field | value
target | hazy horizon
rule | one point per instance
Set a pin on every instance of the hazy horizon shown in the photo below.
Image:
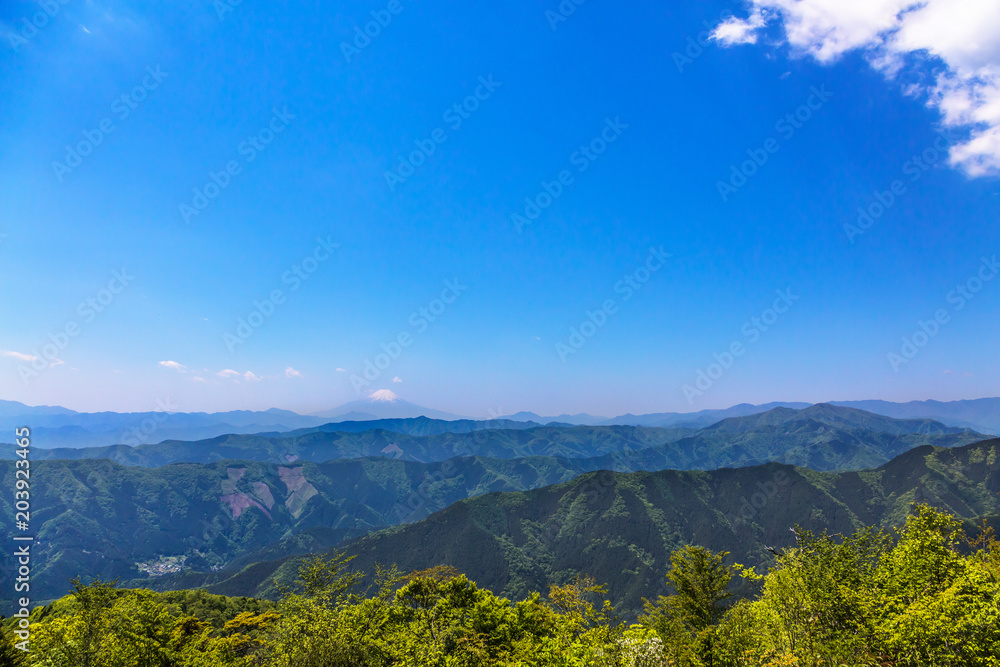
(169, 405)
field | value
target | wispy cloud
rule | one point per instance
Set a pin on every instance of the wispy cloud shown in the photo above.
(18, 355)
(396, 379)
(180, 368)
(250, 376)
(735, 30)
(292, 373)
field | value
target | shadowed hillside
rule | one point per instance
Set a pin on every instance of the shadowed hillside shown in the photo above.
(621, 527)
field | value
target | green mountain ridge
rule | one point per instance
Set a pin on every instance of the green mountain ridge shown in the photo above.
(798, 441)
(621, 527)
(97, 517)
(836, 416)
(411, 426)
(429, 444)
(102, 517)
(317, 446)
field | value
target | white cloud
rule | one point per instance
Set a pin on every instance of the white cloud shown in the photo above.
(735, 30)
(396, 379)
(341, 370)
(950, 47)
(236, 376)
(181, 368)
(292, 373)
(18, 355)
(198, 378)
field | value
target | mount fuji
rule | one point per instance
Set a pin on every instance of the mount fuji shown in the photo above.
(383, 404)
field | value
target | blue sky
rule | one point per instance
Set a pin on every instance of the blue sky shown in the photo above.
(354, 259)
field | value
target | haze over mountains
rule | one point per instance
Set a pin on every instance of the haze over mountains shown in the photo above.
(55, 426)
(241, 492)
(539, 522)
(60, 427)
(982, 414)
(235, 500)
(822, 436)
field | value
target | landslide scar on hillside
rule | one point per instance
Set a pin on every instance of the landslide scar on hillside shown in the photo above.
(239, 502)
(299, 490)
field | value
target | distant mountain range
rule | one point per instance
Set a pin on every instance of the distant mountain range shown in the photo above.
(55, 426)
(981, 414)
(580, 419)
(236, 500)
(701, 418)
(318, 446)
(621, 527)
(409, 426)
(822, 436)
(59, 427)
(698, 419)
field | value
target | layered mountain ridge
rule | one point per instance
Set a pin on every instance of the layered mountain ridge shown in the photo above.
(184, 508)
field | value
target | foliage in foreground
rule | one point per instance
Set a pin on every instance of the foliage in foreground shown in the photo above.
(925, 596)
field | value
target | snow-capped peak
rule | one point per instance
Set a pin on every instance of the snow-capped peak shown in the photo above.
(383, 396)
